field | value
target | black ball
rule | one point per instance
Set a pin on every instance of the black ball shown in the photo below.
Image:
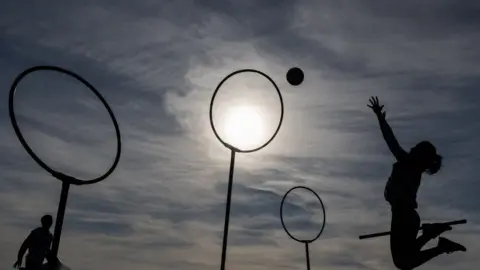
(295, 76)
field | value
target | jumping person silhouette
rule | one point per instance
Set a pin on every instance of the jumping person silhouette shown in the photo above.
(38, 246)
(401, 193)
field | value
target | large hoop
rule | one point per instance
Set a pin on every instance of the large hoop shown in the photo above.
(59, 175)
(231, 147)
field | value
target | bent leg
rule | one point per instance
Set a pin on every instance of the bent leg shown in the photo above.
(431, 231)
(421, 257)
(424, 239)
(406, 247)
(403, 236)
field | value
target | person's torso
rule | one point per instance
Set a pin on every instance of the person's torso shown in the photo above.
(41, 240)
(403, 184)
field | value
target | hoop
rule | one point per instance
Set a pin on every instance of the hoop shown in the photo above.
(211, 111)
(283, 223)
(56, 174)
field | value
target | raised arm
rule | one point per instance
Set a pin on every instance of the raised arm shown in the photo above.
(387, 132)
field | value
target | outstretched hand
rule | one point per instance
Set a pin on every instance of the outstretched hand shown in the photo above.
(376, 107)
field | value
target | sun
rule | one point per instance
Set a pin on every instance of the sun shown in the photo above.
(243, 127)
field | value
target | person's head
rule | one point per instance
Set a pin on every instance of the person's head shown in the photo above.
(47, 221)
(425, 155)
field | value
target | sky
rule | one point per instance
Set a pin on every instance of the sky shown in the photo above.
(157, 64)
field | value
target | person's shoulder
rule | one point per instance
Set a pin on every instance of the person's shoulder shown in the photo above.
(36, 230)
(404, 159)
(402, 156)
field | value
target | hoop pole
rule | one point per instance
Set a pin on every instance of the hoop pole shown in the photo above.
(59, 220)
(227, 210)
(455, 222)
(307, 252)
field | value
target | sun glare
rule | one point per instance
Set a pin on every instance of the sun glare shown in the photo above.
(243, 128)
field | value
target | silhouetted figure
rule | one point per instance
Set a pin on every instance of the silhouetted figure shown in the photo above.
(401, 193)
(38, 246)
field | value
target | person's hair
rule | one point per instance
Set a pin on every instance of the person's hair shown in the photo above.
(47, 221)
(426, 149)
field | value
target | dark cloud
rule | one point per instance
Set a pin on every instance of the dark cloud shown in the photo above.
(98, 227)
(335, 167)
(117, 89)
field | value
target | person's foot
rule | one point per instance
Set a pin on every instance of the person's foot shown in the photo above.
(435, 229)
(449, 246)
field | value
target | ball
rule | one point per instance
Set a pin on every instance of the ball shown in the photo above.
(295, 76)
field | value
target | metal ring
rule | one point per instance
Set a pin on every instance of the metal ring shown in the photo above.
(58, 175)
(283, 223)
(211, 111)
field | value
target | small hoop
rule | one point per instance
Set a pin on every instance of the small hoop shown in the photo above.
(283, 223)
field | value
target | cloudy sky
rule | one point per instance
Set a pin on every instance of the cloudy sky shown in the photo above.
(158, 62)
